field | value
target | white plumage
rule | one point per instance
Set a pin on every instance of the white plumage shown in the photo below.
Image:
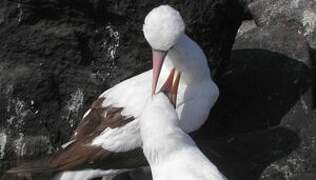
(162, 27)
(170, 152)
(193, 104)
(197, 91)
(86, 174)
(197, 94)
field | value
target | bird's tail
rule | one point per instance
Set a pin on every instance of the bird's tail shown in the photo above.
(37, 166)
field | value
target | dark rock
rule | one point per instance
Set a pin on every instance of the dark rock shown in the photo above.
(299, 16)
(300, 13)
(57, 56)
(266, 78)
(245, 156)
(270, 38)
(268, 85)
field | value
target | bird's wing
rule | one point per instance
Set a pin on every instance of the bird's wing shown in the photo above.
(80, 151)
(112, 114)
(128, 96)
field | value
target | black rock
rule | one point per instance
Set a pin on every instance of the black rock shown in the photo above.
(57, 56)
(288, 27)
(268, 85)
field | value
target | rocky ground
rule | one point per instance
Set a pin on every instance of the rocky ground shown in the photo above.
(57, 56)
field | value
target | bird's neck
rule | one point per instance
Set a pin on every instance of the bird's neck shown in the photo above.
(189, 58)
(161, 139)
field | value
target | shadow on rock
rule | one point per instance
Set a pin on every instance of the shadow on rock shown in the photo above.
(244, 157)
(257, 92)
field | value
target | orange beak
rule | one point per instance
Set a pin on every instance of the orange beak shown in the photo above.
(158, 59)
(170, 87)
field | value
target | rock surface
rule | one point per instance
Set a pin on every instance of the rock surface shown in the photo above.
(57, 56)
(288, 28)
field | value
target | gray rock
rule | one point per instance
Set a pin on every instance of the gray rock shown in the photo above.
(281, 38)
(300, 13)
(298, 20)
(274, 65)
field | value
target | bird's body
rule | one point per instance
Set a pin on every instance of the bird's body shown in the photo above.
(170, 152)
(111, 125)
(194, 101)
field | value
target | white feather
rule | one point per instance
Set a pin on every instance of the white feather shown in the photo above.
(170, 152)
(162, 28)
(197, 94)
(86, 174)
(197, 91)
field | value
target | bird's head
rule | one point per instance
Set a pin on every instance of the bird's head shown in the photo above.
(162, 28)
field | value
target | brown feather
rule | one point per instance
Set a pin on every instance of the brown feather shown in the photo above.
(80, 152)
(76, 155)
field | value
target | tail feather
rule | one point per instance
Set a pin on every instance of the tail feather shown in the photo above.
(36, 166)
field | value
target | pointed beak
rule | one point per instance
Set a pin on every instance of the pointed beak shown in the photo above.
(158, 59)
(170, 87)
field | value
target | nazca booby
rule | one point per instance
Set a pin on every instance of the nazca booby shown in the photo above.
(110, 128)
(170, 152)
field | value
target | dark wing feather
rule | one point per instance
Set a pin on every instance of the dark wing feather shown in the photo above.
(91, 121)
(76, 155)
(94, 123)
(79, 152)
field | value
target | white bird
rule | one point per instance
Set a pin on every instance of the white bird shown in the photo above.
(111, 125)
(170, 152)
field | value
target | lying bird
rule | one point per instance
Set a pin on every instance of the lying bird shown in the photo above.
(170, 152)
(106, 141)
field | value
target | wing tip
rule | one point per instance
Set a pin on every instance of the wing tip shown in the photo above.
(37, 166)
